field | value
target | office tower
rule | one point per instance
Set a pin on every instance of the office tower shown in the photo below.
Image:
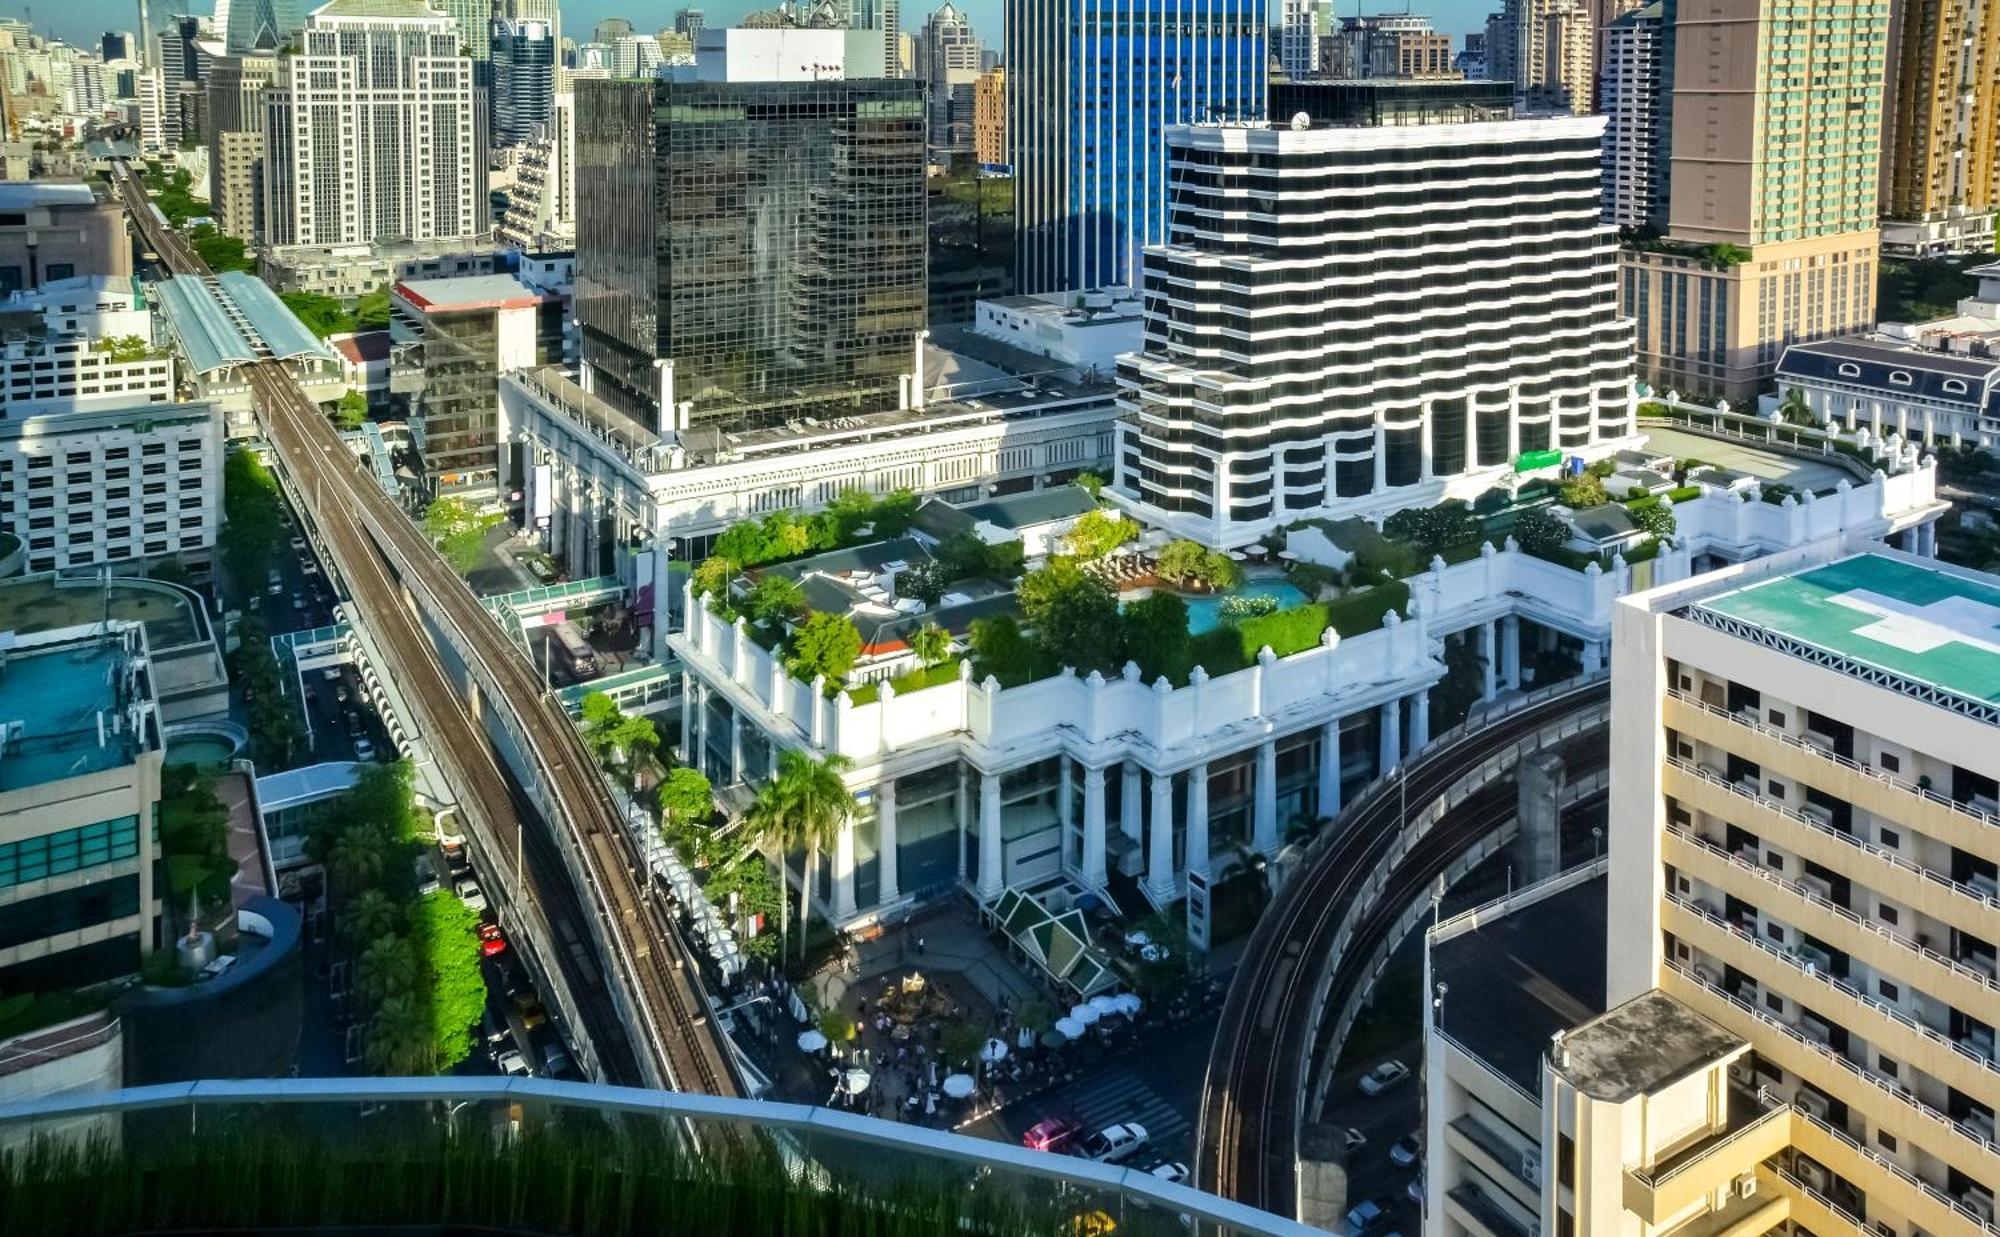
(1546, 49)
(236, 142)
(524, 68)
(1940, 126)
(1603, 13)
(261, 26)
(1320, 385)
(1805, 797)
(635, 55)
(1631, 92)
(1091, 89)
(119, 45)
(610, 30)
(153, 136)
(1387, 46)
(885, 16)
(989, 117)
(689, 23)
(474, 21)
(1298, 37)
(87, 95)
(749, 252)
(541, 203)
(374, 131)
(1773, 145)
(948, 63)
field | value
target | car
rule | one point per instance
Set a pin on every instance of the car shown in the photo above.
(1052, 1134)
(1364, 1216)
(309, 567)
(490, 940)
(529, 1007)
(274, 583)
(1113, 1143)
(298, 542)
(298, 601)
(1403, 1153)
(1383, 1076)
(470, 893)
(331, 674)
(1415, 1190)
(1173, 1172)
(353, 722)
(555, 1060)
(363, 749)
(511, 1061)
(340, 692)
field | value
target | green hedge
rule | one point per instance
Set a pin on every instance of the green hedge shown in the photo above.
(1641, 504)
(1649, 550)
(911, 681)
(1685, 493)
(1357, 613)
(1299, 628)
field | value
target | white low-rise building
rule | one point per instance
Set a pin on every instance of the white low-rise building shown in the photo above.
(80, 343)
(1920, 394)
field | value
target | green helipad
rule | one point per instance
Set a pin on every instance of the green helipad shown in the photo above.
(1922, 623)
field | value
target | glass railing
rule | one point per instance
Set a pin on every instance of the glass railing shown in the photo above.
(546, 1157)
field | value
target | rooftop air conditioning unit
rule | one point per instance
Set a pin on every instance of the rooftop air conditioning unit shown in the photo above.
(1821, 741)
(1813, 1104)
(1817, 811)
(1746, 1186)
(1818, 886)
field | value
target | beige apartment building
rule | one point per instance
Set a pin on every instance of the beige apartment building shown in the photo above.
(1546, 48)
(1776, 118)
(236, 141)
(989, 116)
(1939, 127)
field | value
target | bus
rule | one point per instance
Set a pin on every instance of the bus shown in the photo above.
(577, 655)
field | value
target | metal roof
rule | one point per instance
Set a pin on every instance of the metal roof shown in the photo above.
(1875, 361)
(308, 784)
(234, 319)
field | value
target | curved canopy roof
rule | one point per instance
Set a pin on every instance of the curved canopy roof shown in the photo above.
(234, 319)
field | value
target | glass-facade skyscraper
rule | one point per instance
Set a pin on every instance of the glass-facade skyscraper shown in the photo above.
(766, 237)
(1092, 86)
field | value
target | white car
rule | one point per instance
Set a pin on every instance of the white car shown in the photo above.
(1173, 1172)
(364, 750)
(470, 893)
(1113, 1143)
(511, 1061)
(1383, 1076)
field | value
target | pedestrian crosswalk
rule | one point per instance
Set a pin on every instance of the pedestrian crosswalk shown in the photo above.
(1107, 1098)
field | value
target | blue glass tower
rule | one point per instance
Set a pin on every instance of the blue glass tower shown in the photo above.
(1092, 86)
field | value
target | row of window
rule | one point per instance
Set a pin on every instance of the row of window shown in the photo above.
(68, 850)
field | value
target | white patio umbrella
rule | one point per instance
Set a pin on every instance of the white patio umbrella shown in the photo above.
(1024, 1039)
(958, 1086)
(1070, 1027)
(811, 1041)
(855, 1081)
(1103, 1004)
(1128, 1003)
(1084, 1014)
(995, 1050)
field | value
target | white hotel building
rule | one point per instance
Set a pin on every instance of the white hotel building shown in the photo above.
(1378, 312)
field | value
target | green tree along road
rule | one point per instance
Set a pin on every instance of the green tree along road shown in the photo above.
(276, 733)
(253, 523)
(458, 530)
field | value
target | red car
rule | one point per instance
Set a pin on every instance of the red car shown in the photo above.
(490, 940)
(1054, 1134)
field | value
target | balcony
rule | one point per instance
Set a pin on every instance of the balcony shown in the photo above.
(1755, 1130)
(1879, 1178)
(1514, 1168)
(1480, 1215)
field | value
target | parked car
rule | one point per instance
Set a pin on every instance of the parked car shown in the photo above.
(1404, 1151)
(1364, 1216)
(1113, 1143)
(555, 1060)
(274, 583)
(1052, 1134)
(511, 1061)
(298, 601)
(363, 749)
(490, 940)
(1173, 1172)
(1416, 1189)
(309, 567)
(470, 893)
(1383, 1076)
(331, 674)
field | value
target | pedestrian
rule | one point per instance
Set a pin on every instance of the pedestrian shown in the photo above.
(920, 946)
(864, 1009)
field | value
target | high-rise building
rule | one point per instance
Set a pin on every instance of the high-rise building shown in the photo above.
(948, 64)
(260, 26)
(635, 55)
(1092, 86)
(749, 251)
(610, 30)
(524, 75)
(474, 22)
(1386, 46)
(1941, 128)
(1299, 30)
(540, 212)
(1805, 797)
(989, 117)
(1544, 47)
(153, 136)
(1773, 143)
(236, 142)
(1322, 386)
(119, 45)
(689, 23)
(374, 132)
(1631, 92)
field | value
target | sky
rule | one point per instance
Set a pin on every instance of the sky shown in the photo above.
(81, 21)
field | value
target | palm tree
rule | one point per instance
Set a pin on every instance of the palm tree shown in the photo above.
(771, 825)
(818, 805)
(356, 857)
(370, 914)
(399, 1037)
(931, 644)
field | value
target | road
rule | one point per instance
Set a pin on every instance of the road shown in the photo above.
(650, 1022)
(1246, 1143)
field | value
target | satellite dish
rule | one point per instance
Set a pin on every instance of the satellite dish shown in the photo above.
(1301, 120)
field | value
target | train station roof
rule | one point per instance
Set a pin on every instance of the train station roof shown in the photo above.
(234, 319)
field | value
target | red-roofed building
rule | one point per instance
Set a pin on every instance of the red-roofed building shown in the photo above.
(364, 363)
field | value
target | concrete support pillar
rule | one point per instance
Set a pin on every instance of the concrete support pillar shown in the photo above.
(991, 857)
(1264, 810)
(1131, 812)
(885, 840)
(1392, 734)
(1593, 656)
(1510, 652)
(1424, 468)
(1197, 819)
(735, 746)
(1381, 455)
(1065, 815)
(1329, 768)
(1539, 783)
(962, 806)
(1420, 721)
(843, 872)
(1472, 459)
(472, 696)
(1489, 667)
(1160, 841)
(687, 720)
(1093, 827)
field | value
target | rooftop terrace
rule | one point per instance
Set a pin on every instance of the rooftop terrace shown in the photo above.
(1644, 1045)
(1920, 627)
(63, 699)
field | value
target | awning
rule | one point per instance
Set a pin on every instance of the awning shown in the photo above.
(1058, 943)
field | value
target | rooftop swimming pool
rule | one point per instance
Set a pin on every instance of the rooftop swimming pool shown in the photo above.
(1205, 613)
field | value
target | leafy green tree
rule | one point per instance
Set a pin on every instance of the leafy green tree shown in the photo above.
(774, 828)
(1097, 533)
(826, 644)
(252, 521)
(359, 858)
(686, 798)
(221, 253)
(1794, 407)
(931, 644)
(1156, 636)
(712, 576)
(600, 715)
(458, 530)
(1655, 521)
(1540, 533)
(1091, 484)
(925, 582)
(819, 804)
(1433, 529)
(399, 1039)
(321, 314)
(999, 649)
(755, 886)
(1074, 614)
(1190, 562)
(963, 556)
(371, 312)
(351, 413)
(368, 916)
(446, 932)
(387, 967)
(775, 599)
(1585, 491)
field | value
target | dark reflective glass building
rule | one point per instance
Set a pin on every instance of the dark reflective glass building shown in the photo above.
(765, 237)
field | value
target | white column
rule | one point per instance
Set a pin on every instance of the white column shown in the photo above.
(962, 808)
(1471, 431)
(1131, 811)
(1392, 736)
(1264, 811)
(1381, 454)
(1420, 720)
(1160, 842)
(1065, 815)
(1513, 423)
(1329, 768)
(991, 861)
(1510, 651)
(1489, 670)
(1424, 469)
(885, 841)
(735, 745)
(1593, 656)
(1093, 826)
(687, 720)
(843, 872)
(1197, 819)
